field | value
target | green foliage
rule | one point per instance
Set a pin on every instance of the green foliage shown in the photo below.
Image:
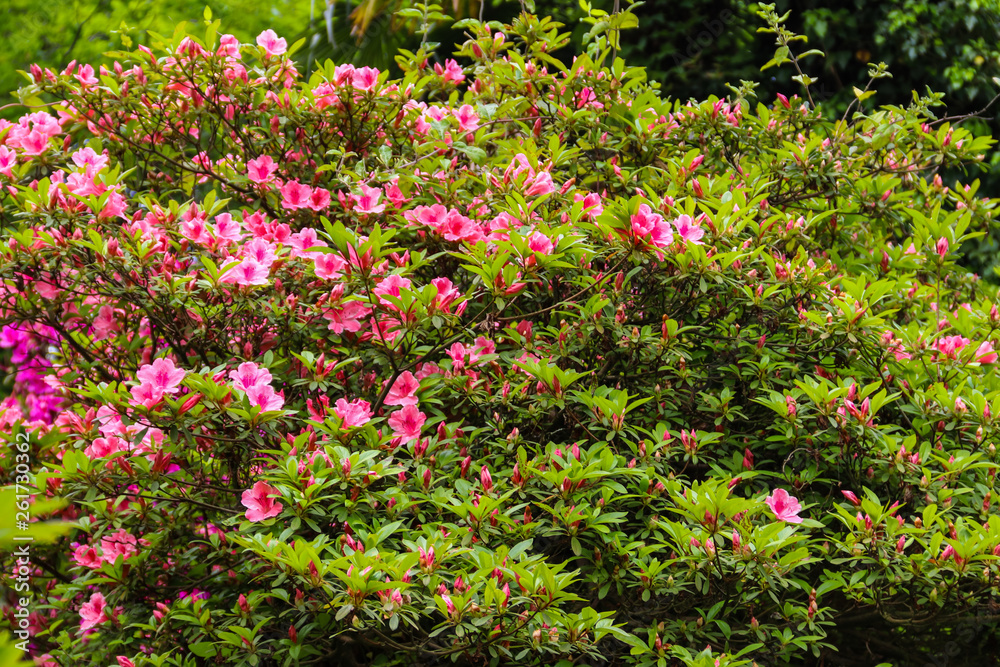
(513, 361)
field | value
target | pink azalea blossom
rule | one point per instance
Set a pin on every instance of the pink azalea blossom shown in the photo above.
(367, 201)
(540, 184)
(406, 423)
(92, 612)
(689, 230)
(365, 78)
(328, 265)
(271, 43)
(247, 272)
(121, 543)
(162, 374)
(262, 169)
(106, 323)
(540, 243)
(295, 195)
(353, 413)
(87, 556)
(985, 353)
(391, 286)
(260, 503)
(404, 390)
(347, 317)
(785, 507)
(249, 375)
(264, 397)
(468, 119)
(451, 71)
(228, 230)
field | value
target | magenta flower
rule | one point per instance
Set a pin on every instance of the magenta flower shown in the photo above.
(468, 119)
(540, 184)
(367, 201)
(249, 375)
(264, 396)
(162, 374)
(247, 272)
(785, 507)
(365, 78)
(404, 390)
(688, 230)
(121, 543)
(259, 503)
(540, 243)
(262, 169)
(271, 43)
(406, 423)
(353, 413)
(985, 354)
(92, 612)
(295, 195)
(328, 265)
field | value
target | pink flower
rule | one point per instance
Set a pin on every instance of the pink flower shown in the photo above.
(271, 43)
(105, 323)
(247, 272)
(406, 423)
(162, 374)
(644, 221)
(688, 230)
(486, 479)
(391, 286)
(404, 390)
(985, 353)
(540, 243)
(121, 543)
(367, 201)
(259, 503)
(365, 78)
(592, 207)
(295, 195)
(227, 229)
(85, 75)
(468, 119)
(451, 71)
(92, 612)
(347, 317)
(264, 396)
(249, 375)
(124, 662)
(328, 265)
(146, 395)
(319, 199)
(259, 250)
(941, 246)
(541, 184)
(262, 169)
(785, 507)
(353, 413)
(87, 556)
(853, 499)
(8, 160)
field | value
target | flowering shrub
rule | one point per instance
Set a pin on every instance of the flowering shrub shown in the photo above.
(498, 362)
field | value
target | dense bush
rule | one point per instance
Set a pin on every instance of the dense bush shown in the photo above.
(492, 364)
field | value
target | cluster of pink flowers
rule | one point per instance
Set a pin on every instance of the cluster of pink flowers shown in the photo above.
(156, 380)
(255, 382)
(950, 346)
(120, 543)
